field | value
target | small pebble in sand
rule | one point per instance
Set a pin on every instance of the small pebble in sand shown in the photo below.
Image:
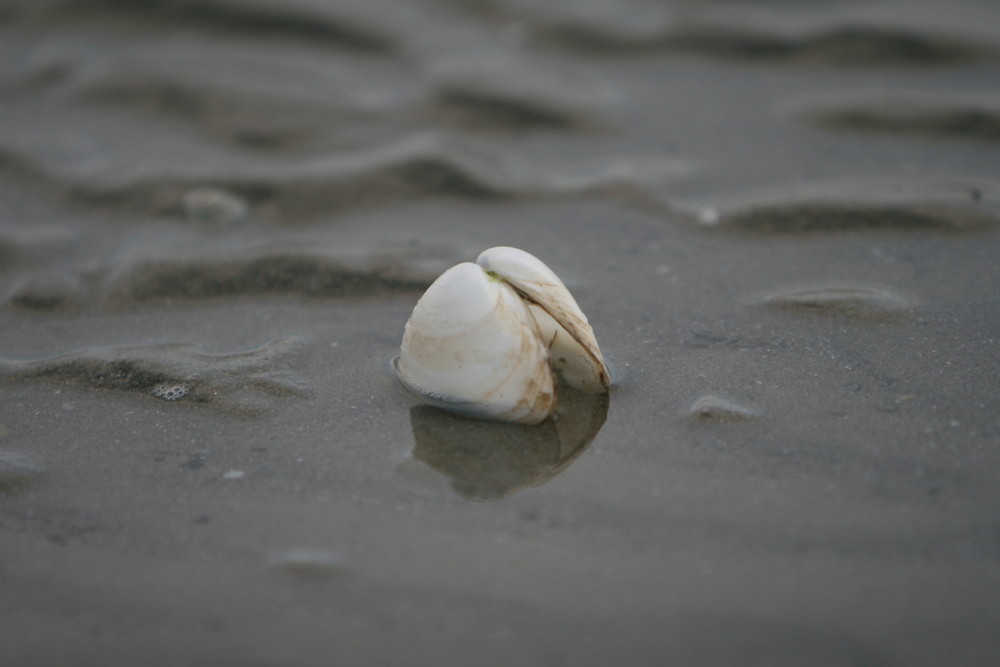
(718, 408)
(708, 216)
(217, 208)
(309, 563)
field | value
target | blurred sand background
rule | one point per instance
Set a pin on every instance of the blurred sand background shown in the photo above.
(780, 217)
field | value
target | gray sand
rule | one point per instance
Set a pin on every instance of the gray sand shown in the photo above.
(782, 219)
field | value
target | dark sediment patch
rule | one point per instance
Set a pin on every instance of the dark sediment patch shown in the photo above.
(243, 19)
(840, 39)
(708, 339)
(831, 217)
(235, 381)
(941, 121)
(849, 46)
(47, 292)
(874, 204)
(165, 268)
(846, 300)
(485, 108)
(277, 273)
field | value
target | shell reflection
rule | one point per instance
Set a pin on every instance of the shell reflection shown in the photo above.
(489, 460)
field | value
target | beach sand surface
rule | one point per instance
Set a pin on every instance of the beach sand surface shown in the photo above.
(780, 218)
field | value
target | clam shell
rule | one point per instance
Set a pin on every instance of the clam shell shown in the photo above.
(574, 348)
(472, 347)
(485, 339)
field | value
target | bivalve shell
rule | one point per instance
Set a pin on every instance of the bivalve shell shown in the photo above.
(485, 340)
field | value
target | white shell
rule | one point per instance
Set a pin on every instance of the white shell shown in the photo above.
(570, 337)
(484, 338)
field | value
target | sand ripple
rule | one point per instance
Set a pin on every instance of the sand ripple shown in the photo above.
(859, 38)
(872, 204)
(170, 267)
(336, 26)
(148, 272)
(968, 118)
(851, 300)
(244, 381)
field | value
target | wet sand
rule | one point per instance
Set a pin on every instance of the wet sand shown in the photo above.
(782, 219)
